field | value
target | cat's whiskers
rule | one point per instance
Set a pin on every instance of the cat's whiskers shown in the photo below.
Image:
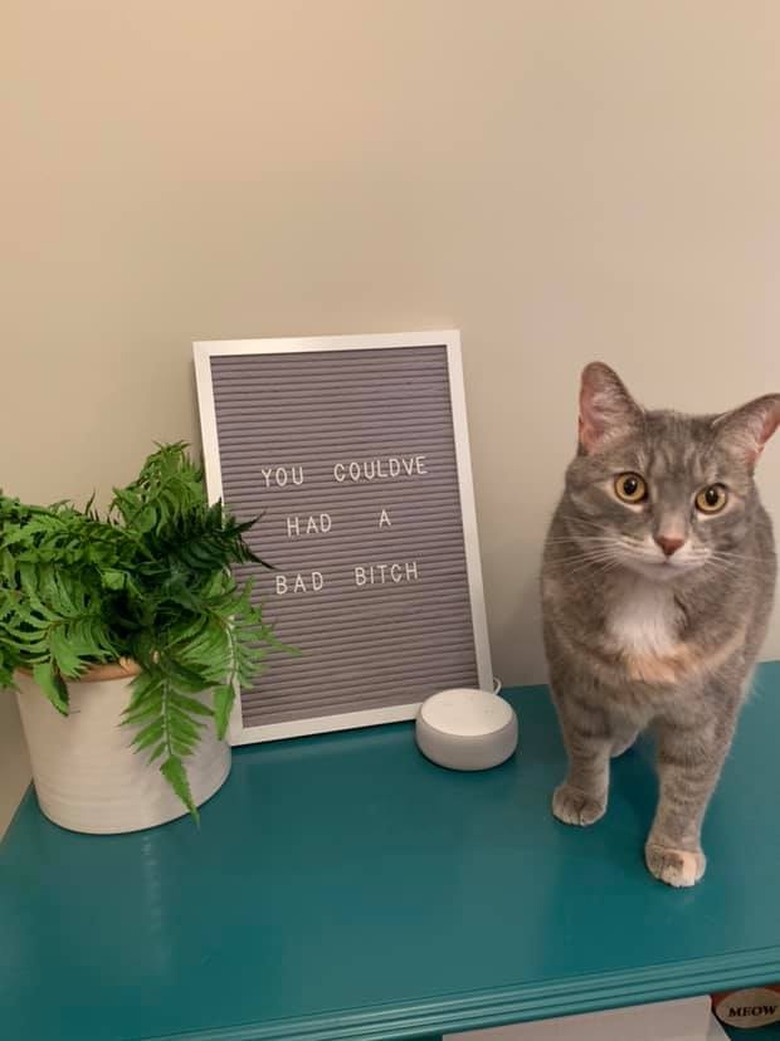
(578, 548)
(727, 565)
(730, 555)
(591, 540)
(635, 549)
(607, 566)
(596, 563)
(585, 558)
(726, 574)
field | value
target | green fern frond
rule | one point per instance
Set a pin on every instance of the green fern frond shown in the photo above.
(151, 581)
(174, 773)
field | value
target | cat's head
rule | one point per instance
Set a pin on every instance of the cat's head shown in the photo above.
(662, 493)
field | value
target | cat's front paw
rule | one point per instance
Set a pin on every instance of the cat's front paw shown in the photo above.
(573, 806)
(676, 867)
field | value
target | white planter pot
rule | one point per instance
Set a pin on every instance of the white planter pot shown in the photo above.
(87, 776)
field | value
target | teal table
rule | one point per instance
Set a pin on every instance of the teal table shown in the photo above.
(342, 887)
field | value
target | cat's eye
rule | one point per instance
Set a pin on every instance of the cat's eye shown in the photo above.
(712, 499)
(631, 488)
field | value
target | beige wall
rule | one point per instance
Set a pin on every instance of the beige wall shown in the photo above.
(561, 180)
(14, 766)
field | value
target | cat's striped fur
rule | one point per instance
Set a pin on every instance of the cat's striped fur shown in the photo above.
(655, 609)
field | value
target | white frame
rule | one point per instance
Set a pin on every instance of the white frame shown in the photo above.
(204, 351)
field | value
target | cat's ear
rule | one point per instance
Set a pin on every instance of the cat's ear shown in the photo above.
(607, 410)
(747, 429)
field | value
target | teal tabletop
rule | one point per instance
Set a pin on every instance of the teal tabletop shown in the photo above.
(341, 887)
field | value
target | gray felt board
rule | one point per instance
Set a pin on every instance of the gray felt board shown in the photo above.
(349, 457)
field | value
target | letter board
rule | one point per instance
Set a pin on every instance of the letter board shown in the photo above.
(354, 452)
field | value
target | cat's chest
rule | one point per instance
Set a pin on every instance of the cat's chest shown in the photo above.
(643, 619)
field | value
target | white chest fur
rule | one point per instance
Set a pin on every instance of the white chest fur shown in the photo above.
(643, 620)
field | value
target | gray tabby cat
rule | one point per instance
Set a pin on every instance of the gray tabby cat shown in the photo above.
(657, 584)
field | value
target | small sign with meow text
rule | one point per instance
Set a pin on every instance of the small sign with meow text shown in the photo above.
(354, 453)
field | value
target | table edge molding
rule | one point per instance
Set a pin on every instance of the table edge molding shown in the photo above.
(514, 1004)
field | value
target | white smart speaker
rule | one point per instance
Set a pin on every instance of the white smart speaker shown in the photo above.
(466, 729)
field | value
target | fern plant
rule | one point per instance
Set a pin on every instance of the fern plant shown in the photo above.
(149, 581)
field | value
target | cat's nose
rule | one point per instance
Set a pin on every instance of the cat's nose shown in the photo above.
(669, 543)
